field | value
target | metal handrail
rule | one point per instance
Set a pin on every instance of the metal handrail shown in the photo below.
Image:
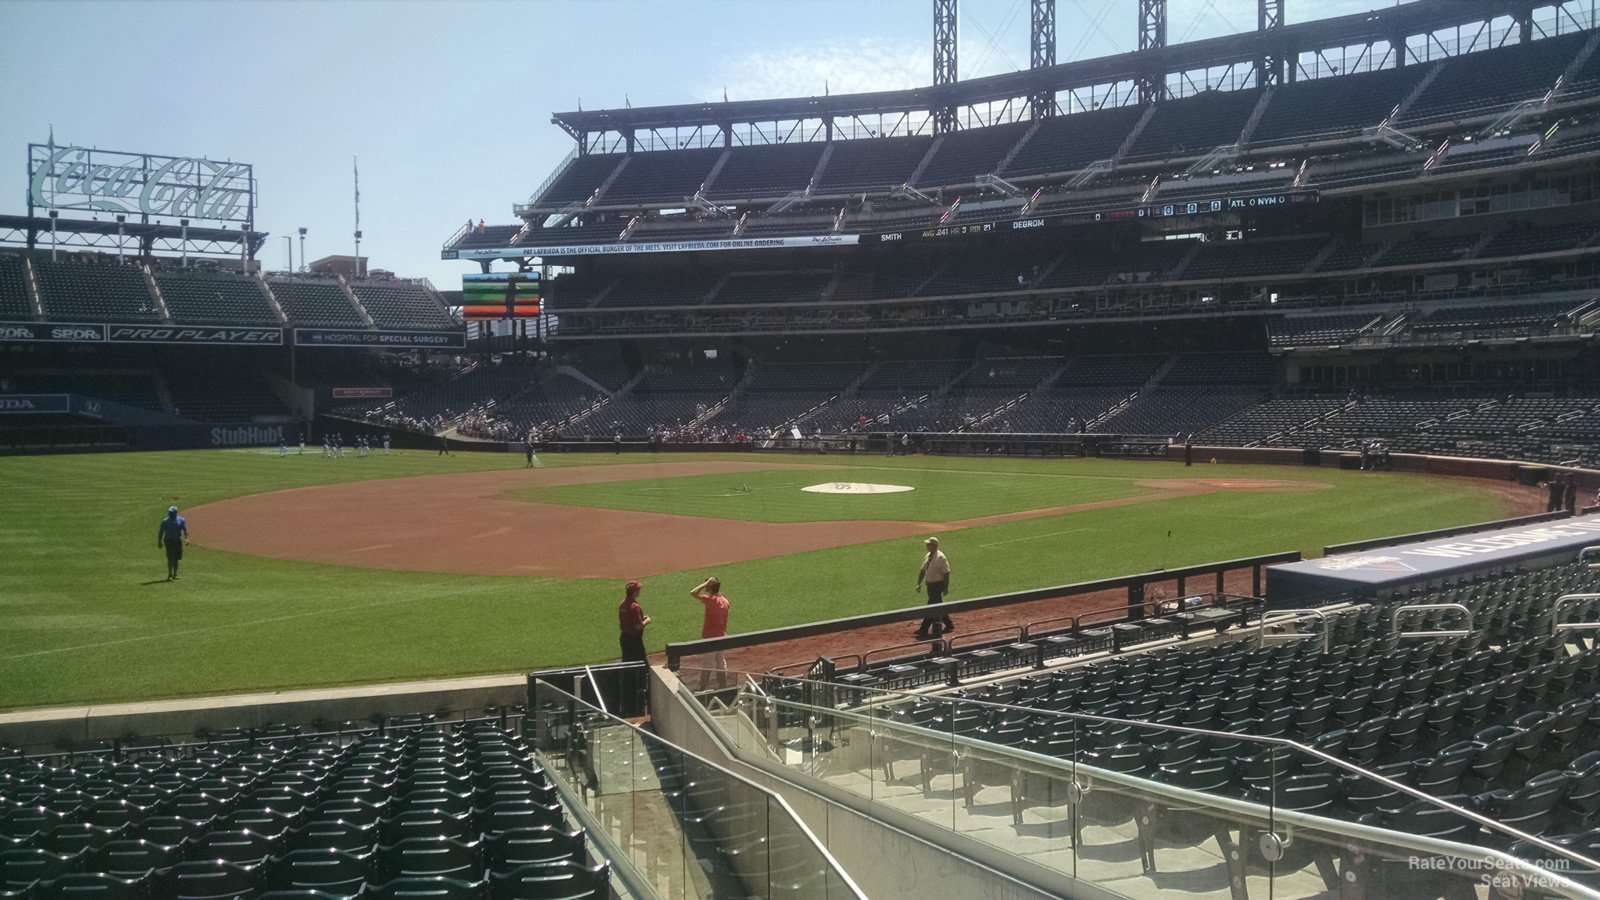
(1409, 791)
(927, 647)
(1394, 620)
(1585, 553)
(588, 672)
(1017, 630)
(1289, 615)
(1032, 628)
(1555, 614)
(801, 666)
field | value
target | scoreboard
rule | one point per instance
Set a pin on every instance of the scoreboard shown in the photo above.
(491, 296)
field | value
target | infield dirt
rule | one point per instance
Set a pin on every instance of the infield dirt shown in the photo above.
(464, 524)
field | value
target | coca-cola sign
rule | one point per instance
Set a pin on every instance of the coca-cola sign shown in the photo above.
(139, 184)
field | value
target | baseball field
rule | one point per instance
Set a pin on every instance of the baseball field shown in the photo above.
(305, 571)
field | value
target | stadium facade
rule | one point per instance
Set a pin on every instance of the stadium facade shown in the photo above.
(1395, 203)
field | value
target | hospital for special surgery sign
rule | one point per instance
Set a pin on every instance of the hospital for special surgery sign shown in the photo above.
(139, 184)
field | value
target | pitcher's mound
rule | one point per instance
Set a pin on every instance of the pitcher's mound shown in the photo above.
(856, 487)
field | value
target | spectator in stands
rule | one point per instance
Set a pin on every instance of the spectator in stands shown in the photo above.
(715, 625)
(172, 536)
(481, 227)
(935, 572)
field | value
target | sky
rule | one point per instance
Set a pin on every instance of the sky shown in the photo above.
(447, 105)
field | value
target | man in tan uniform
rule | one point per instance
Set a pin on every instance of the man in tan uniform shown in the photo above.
(935, 573)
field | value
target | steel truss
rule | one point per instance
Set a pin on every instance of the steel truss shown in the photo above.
(1152, 36)
(1042, 55)
(1269, 20)
(1413, 32)
(134, 239)
(1343, 61)
(944, 61)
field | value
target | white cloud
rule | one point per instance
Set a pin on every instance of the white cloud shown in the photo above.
(846, 67)
(873, 64)
(1201, 19)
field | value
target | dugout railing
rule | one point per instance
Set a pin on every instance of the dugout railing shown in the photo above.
(1396, 540)
(1034, 645)
(1136, 608)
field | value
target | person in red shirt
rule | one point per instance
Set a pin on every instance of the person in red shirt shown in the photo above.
(632, 620)
(715, 625)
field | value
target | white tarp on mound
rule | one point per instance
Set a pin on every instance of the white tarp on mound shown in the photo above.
(856, 487)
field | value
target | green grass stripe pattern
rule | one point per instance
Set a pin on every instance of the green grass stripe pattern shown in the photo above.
(86, 617)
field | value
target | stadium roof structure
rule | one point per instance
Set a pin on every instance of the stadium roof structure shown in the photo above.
(1395, 25)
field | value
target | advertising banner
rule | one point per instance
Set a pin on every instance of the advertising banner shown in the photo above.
(247, 435)
(194, 334)
(51, 332)
(354, 337)
(758, 243)
(1389, 567)
(1157, 210)
(63, 332)
(362, 393)
(139, 184)
(26, 404)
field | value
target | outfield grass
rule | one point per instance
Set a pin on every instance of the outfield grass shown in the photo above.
(86, 617)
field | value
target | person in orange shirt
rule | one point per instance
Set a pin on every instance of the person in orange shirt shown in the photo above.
(715, 625)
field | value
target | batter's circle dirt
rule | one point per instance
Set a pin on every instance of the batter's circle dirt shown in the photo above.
(463, 523)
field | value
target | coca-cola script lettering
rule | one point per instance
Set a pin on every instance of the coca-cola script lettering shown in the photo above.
(180, 187)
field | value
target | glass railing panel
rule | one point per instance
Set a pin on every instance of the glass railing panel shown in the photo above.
(1147, 808)
(683, 826)
(1372, 838)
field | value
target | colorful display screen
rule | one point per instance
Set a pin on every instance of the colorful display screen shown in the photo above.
(499, 295)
